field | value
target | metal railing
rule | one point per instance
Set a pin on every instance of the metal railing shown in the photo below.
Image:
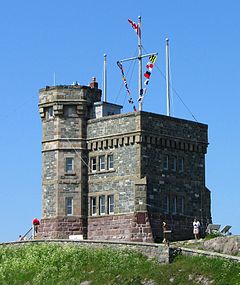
(28, 235)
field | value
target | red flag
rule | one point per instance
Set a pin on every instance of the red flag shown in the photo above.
(147, 74)
(135, 27)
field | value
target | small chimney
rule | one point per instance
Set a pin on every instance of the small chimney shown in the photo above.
(93, 83)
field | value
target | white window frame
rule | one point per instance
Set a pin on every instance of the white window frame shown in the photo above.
(110, 162)
(102, 207)
(93, 164)
(69, 205)
(93, 205)
(67, 165)
(165, 162)
(102, 162)
(110, 204)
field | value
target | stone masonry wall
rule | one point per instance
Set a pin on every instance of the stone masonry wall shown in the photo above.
(184, 189)
(128, 227)
(64, 112)
(61, 228)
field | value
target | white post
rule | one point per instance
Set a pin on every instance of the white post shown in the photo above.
(105, 79)
(167, 78)
(139, 60)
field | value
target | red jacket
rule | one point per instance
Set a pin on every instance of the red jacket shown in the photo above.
(35, 222)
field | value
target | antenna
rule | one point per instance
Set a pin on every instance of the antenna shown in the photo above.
(167, 78)
(105, 78)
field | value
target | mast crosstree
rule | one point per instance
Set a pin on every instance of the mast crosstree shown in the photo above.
(140, 56)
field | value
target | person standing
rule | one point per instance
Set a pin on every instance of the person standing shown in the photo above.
(164, 227)
(196, 228)
(35, 223)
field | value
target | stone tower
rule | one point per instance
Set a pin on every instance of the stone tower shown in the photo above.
(113, 176)
(64, 111)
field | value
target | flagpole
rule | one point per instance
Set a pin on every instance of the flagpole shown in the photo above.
(167, 78)
(105, 79)
(139, 61)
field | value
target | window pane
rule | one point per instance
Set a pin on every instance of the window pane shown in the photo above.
(180, 164)
(174, 164)
(69, 110)
(110, 204)
(102, 205)
(93, 206)
(165, 162)
(174, 205)
(102, 162)
(181, 205)
(69, 206)
(49, 112)
(93, 164)
(110, 161)
(166, 204)
(69, 164)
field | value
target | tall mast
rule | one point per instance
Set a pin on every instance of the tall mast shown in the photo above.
(105, 78)
(139, 61)
(167, 78)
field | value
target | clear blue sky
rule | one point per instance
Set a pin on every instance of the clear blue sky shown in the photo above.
(38, 38)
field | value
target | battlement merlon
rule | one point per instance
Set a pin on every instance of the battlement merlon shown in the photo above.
(57, 96)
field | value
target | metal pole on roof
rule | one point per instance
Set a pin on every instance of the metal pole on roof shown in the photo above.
(167, 78)
(105, 78)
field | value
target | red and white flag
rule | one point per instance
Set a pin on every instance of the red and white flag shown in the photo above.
(135, 27)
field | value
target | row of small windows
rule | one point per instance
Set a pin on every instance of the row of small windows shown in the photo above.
(173, 204)
(101, 205)
(173, 163)
(97, 163)
(101, 163)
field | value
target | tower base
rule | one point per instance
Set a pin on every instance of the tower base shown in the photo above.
(62, 227)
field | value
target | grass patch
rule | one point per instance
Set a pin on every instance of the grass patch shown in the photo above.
(43, 264)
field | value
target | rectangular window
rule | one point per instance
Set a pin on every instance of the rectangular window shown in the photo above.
(181, 205)
(69, 164)
(102, 162)
(69, 206)
(49, 112)
(102, 205)
(110, 161)
(174, 163)
(93, 205)
(166, 204)
(93, 164)
(111, 204)
(180, 164)
(165, 162)
(69, 110)
(174, 205)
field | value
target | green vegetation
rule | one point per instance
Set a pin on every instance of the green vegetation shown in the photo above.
(213, 235)
(67, 264)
